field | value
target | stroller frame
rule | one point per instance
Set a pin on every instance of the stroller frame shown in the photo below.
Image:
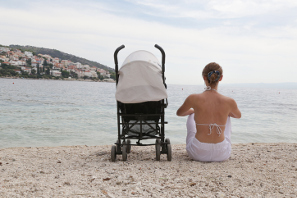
(124, 124)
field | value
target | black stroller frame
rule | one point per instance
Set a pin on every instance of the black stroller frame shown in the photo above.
(147, 114)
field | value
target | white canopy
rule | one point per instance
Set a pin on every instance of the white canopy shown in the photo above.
(140, 79)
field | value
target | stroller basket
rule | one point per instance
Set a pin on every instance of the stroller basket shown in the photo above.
(141, 100)
(141, 120)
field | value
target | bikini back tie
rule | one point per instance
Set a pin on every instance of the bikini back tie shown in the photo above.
(211, 126)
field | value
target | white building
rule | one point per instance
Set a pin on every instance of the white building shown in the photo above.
(78, 65)
(26, 69)
(34, 64)
(12, 62)
(17, 71)
(94, 74)
(66, 63)
(93, 69)
(21, 63)
(86, 67)
(102, 72)
(55, 72)
(4, 49)
(87, 73)
(56, 60)
(29, 54)
(79, 73)
(71, 68)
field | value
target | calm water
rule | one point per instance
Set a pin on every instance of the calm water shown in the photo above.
(55, 113)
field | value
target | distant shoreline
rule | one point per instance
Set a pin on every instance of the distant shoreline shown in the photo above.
(65, 79)
(284, 85)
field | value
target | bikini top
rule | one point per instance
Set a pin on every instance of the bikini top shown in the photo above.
(211, 126)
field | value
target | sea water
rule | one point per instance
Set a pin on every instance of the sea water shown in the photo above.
(61, 113)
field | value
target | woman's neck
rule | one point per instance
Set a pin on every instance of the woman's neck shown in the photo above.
(209, 88)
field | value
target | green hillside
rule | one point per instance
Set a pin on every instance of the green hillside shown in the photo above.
(62, 55)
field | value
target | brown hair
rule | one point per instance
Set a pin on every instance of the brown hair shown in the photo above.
(213, 78)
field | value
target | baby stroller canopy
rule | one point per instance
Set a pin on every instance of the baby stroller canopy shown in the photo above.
(140, 79)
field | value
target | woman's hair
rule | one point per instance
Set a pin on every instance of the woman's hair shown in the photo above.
(213, 72)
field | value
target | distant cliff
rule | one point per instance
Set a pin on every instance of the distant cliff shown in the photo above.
(62, 55)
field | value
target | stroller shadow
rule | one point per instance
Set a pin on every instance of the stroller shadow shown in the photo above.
(147, 154)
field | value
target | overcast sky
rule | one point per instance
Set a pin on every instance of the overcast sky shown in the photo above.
(255, 41)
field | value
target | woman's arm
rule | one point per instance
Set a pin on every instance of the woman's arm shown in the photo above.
(186, 108)
(235, 112)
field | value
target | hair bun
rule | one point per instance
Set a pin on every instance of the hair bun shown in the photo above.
(213, 72)
(213, 76)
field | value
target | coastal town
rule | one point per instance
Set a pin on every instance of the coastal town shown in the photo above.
(19, 63)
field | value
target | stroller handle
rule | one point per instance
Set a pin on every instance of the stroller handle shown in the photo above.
(163, 63)
(163, 56)
(116, 60)
(116, 54)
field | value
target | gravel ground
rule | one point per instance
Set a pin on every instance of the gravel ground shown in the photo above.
(253, 170)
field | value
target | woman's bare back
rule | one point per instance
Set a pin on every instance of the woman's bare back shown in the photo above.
(211, 112)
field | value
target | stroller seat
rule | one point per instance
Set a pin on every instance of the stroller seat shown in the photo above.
(151, 115)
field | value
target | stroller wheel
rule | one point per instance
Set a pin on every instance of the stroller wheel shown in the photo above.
(158, 149)
(113, 153)
(124, 151)
(118, 146)
(169, 152)
(128, 146)
(168, 149)
(167, 140)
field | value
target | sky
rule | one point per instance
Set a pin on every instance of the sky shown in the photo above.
(255, 41)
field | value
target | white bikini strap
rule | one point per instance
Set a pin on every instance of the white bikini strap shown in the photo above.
(219, 130)
(211, 126)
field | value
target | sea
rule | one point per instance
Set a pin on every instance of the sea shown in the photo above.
(38, 113)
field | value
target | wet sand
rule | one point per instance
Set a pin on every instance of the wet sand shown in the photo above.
(253, 170)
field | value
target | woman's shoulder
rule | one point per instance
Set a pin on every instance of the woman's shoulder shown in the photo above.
(195, 96)
(227, 99)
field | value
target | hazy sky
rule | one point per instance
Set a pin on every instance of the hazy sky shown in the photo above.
(255, 41)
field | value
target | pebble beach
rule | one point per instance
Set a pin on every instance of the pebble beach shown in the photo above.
(253, 170)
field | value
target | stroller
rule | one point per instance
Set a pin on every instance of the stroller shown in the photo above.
(141, 99)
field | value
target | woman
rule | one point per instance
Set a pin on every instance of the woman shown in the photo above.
(208, 124)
